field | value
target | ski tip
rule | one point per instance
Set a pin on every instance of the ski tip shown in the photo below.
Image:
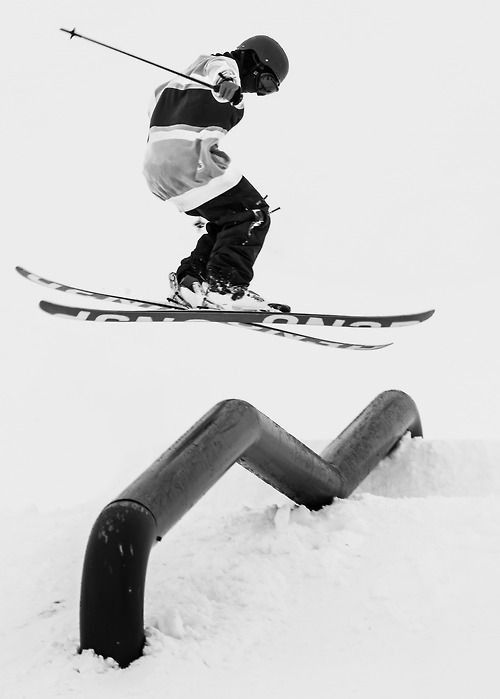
(45, 306)
(374, 347)
(23, 272)
(419, 317)
(426, 315)
(54, 309)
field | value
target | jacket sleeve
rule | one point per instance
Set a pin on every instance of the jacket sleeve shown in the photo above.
(219, 68)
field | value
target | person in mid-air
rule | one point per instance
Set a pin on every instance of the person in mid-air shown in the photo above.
(185, 165)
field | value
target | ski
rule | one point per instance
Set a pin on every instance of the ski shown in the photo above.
(308, 338)
(87, 314)
(288, 319)
(125, 300)
(285, 334)
(351, 321)
(230, 319)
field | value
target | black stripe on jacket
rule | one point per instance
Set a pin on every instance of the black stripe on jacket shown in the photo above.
(194, 107)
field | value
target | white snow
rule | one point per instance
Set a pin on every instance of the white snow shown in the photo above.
(393, 591)
(383, 150)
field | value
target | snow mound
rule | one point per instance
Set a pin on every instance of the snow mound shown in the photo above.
(420, 468)
(381, 595)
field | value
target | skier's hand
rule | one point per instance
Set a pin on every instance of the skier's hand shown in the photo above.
(229, 91)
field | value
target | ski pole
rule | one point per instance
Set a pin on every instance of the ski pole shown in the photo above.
(72, 33)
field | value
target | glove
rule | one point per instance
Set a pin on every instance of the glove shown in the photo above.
(229, 91)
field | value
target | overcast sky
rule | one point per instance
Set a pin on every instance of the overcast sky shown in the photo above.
(382, 149)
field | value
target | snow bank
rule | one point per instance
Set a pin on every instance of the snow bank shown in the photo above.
(392, 592)
(418, 468)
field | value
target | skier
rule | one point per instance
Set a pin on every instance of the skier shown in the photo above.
(185, 165)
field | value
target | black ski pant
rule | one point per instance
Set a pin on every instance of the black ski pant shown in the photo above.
(237, 224)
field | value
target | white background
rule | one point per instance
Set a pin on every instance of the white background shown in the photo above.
(383, 151)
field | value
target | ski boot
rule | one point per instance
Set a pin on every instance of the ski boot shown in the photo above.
(240, 298)
(189, 292)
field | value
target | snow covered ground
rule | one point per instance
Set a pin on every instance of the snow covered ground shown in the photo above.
(393, 592)
(383, 150)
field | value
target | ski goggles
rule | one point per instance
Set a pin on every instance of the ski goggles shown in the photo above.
(267, 82)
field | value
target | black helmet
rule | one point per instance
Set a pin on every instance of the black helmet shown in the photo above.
(269, 53)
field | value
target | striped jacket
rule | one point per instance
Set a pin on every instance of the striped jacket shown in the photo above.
(183, 161)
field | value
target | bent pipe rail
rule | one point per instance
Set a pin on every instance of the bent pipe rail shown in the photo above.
(114, 571)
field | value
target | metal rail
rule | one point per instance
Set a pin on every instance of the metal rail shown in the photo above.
(112, 591)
